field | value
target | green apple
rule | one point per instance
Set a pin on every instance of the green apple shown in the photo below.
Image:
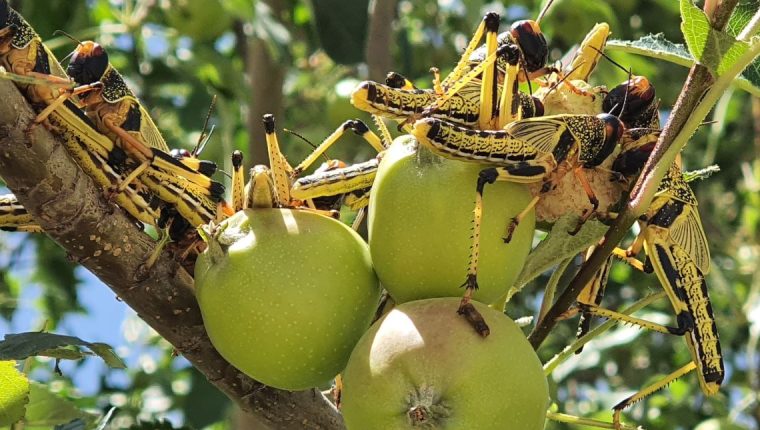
(423, 366)
(420, 226)
(195, 19)
(286, 294)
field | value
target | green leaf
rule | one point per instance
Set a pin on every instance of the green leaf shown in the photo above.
(46, 409)
(657, 46)
(342, 28)
(23, 345)
(557, 246)
(654, 46)
(14, 393)
(714, 49)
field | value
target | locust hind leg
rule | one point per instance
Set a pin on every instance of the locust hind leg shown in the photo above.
(581, 176)
(647, 391)
(466, 309)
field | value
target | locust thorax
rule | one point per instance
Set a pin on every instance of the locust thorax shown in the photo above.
(88, 64)
(532, 43)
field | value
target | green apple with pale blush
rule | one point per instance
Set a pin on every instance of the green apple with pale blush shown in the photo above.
(423, 366)
(420, 226)
(285, 295)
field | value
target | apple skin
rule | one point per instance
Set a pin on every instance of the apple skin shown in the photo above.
(195, 19)
(420, 223)
(286, 294)
(423, 356)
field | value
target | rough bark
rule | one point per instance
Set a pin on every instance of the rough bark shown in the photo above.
(266, 76)
(106, 241)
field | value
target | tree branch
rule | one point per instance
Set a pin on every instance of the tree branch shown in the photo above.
(72, 210)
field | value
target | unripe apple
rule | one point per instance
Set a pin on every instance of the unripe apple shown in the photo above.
(286, 294)
(423, 366)
(420, 226)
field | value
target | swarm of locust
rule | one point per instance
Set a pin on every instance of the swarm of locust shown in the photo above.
(578, 147)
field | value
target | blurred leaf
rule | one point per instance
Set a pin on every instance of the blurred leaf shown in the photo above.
(9, 289)
(719, 424)
(242, 9)
(204, 404)
(714, 49)
(656, 46)
(342, 28)
(14, 393)
(56, 274)
(267, 27)
(47, 409)
(23, 345)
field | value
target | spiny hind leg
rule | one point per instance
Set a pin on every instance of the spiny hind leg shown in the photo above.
(647, 391)
(685, 323)
(466, 309)
(489, 24)
(517, 219)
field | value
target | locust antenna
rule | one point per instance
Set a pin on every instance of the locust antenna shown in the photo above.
(205, 137)
(69, 36)
(324, 155)
(543, 11)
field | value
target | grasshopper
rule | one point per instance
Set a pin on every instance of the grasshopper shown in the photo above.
(22, 52)
(333, 179)
(468, 95)
(119, 115)
(14, 217)
(525, 151)
(675, 244)
(677, 251)
(323, 191)
(99, 157)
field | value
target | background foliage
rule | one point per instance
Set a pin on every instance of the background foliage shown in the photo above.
(299, 60)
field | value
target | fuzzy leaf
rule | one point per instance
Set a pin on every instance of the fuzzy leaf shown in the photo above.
(558, 246)
(657, 46)
(714, 49)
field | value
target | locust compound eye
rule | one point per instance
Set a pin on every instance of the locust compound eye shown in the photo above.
(88, 63)
(630, 99)
(613, 131)
(395, 80)
(528, 35)
(538, 107)
(4, 13)
(631, 161)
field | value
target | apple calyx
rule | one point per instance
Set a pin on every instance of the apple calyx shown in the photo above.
(426, 408)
